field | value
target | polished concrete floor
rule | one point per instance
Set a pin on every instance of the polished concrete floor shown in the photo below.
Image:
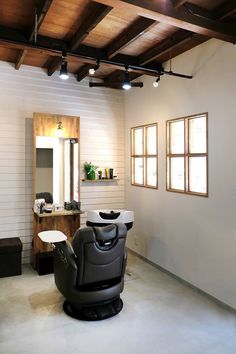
(160, 315)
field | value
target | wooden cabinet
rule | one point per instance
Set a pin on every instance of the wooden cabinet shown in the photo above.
(65, 221)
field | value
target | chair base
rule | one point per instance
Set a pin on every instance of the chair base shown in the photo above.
(93, 313)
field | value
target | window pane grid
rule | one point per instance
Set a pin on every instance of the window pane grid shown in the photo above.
(148, 156)
(195, 156)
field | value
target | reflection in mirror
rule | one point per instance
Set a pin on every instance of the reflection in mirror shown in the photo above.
(57, 168)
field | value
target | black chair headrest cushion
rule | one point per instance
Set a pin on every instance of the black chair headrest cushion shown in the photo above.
(105, 233)
(45, 195)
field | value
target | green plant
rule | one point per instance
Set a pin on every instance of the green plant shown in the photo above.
(90, 170)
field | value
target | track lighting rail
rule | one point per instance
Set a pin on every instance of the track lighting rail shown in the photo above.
(53, 46)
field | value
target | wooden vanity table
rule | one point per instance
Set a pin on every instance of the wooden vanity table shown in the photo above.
(65, 221)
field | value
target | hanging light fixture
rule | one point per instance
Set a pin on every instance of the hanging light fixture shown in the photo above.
(156, 82)
(96, 67)
(63, 72)
(126, 85)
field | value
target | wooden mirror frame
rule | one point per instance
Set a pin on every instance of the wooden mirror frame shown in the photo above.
(45, 124)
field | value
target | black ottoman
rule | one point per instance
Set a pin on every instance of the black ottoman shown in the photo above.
(10, 256)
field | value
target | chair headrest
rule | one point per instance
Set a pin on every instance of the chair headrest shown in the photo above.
(105, 237)
(45, 195)
(105, 233)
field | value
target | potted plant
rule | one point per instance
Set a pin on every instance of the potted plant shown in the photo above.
(90, 170)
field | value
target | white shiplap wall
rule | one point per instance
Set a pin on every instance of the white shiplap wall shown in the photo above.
(102, 141)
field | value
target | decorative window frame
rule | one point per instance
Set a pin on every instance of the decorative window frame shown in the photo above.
(144, 155)
(186, 155)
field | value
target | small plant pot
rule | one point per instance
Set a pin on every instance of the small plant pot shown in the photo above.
(91, 175)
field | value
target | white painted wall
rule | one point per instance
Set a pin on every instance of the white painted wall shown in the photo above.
(102, 141)
(193, 237)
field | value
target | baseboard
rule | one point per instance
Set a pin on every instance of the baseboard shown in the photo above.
(195, 288)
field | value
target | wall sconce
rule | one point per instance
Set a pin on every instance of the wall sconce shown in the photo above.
(59, 131)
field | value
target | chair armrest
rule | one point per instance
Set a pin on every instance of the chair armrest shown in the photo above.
(65, 267)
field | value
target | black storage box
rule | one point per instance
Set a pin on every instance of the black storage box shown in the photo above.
(44, 263)
(10, 256)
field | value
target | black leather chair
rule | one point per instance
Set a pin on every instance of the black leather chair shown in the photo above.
(45, 195)
(90, 273)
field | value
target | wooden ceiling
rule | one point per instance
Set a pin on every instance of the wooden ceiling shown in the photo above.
(139, 33)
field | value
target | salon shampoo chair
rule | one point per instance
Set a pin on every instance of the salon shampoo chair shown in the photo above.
(90, 273)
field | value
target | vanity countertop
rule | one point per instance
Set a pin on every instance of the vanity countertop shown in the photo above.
(59, 213)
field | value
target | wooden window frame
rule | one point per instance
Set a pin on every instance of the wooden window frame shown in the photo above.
(186, 155)
(144, 155)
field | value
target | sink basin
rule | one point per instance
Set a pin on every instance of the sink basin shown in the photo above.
(105, 217)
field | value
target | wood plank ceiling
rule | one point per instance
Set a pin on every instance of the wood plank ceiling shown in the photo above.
(139, 33)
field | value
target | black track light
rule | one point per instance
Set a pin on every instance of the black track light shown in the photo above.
(63, 72)
(156, 83)
(96, 67)
(126, 85)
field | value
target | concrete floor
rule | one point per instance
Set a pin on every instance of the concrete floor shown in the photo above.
(160, 315)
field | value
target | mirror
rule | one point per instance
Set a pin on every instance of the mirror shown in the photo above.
(56, 159)
(57, 168)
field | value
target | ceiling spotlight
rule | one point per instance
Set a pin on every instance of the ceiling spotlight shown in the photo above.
(126, 84)
(63, 72)
(91, 71)
(95, 68)
(156, 83)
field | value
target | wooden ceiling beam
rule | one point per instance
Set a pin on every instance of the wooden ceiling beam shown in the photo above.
(15, 39)
(220, 13)
(20, 59)
(97, 12)
(133, 32)
(178, 3)
(160, 49)
(180, 37)
(54, 65)
(83, 71)
(41, 13)
(164, 11)
(226, 9)
(199, 11)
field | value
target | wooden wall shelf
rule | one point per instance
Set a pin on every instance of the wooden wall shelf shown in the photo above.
(100, 180)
